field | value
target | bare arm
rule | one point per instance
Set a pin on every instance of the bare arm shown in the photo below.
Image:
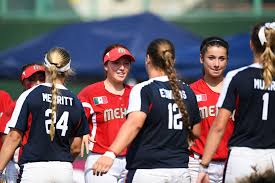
(76, 146)
(12, 141)
(125, 136)
(196, 130)
(128, 131)
(215, 135)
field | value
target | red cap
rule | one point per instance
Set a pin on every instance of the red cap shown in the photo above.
(116, 53)
(30, 70)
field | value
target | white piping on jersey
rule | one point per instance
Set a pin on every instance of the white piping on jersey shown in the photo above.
(19, 103)
(228, 79)
(135, 98)
(93, 114)
(59, 86)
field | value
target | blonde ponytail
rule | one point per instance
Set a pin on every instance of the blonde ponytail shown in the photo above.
(53, 106)
(57, 62)
(268, 57)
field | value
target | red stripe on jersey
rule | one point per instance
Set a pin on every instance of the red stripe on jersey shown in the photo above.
(26, 135)
(150, 107)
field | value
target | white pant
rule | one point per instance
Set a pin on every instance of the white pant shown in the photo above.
(11, 172)
(215, 170)
(161, 175)
(243, 161)
(47, 172)
(116, 174)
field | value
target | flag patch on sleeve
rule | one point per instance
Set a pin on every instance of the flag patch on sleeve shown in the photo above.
(201, 97)
(100, 100)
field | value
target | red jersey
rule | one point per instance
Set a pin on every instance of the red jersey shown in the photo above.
(6, 117)
(5, 101)
(106, 112)
(207, 100)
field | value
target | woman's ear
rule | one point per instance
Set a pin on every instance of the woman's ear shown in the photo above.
(251, 45)
(201, 59)
(148, 59)
(105, 67)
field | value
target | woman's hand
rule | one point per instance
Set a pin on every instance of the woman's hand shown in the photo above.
(103, 164)
(202, 178)
(85, 143)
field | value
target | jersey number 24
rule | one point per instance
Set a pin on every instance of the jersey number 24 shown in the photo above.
(62, 123)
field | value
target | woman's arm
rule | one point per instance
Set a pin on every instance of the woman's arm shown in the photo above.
(76, 146)
(215, 135)
(12, 141)
(125, 136)
(212, 142)
(196, 130)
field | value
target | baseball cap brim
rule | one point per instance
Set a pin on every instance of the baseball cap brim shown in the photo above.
(32, 69)
(117, 53)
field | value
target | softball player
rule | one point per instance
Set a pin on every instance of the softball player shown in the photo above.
(105, 104)
(161, 115)
(31, 75)
(52, 138)
(213, 57)
(251, 91)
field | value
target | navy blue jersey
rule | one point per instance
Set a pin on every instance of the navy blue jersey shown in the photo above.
(254, 117)
(32, 116)
(162, 141)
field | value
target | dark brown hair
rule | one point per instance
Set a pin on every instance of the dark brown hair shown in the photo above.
(162, 54)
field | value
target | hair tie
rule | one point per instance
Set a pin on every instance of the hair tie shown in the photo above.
(62, 69)
(261, 33)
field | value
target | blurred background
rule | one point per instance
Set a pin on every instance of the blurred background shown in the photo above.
(25, 22)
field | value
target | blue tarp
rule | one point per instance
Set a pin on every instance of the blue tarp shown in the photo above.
(86, 42)
(240, 53)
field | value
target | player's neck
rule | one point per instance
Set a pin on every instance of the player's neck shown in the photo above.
(152, 73)
(215, 84)
(113, 87)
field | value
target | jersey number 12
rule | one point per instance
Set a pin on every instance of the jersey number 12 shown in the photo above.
(174, 121)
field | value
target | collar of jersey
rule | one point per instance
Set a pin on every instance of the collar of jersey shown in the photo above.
(59, 86)
(257, 65)
(160, 78)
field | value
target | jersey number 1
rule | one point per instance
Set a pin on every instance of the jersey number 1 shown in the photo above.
(62, 123)
(265, 106)
(174, 121)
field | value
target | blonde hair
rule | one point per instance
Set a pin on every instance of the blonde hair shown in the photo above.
(266, 50)
(58, 58)
(268, 57)
(162, 54)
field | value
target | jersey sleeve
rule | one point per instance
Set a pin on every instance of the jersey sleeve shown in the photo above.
(19, 118)
(228, 94)
(194, 112)
(139, 99)
(82, 127)
(83, 96)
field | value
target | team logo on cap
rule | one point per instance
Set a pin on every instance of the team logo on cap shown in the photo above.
(121, 50)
